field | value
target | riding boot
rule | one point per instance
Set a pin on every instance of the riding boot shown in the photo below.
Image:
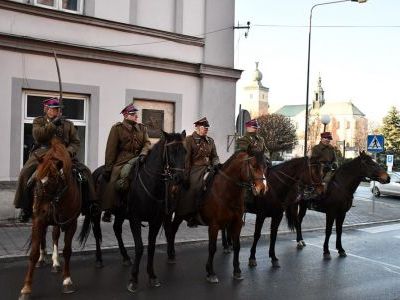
(107, 216)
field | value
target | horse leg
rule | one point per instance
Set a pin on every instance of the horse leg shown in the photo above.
(68, 286)
(38, 229)
(43, 252)
(328, 232)
(299, 235)
(56, 268)
(153, 231)
(171, 229)
(235, 231)
(257, 233)
(212, 248)
(227, 240)
(97, 236)
(339, 229)
(276, 220)
(136, 228)
(117, 226)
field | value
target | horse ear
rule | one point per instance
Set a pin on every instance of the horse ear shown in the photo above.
(183, 134)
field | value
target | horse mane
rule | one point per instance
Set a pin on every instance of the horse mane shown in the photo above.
(58, 152)
(288, 163)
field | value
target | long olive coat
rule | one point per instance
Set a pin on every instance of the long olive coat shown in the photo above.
(250, 142)
(201, 153)
(126, 140)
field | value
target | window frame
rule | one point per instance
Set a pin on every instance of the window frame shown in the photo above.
(58, 6)
(77, 122)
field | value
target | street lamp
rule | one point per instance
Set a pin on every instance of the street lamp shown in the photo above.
(325, 119)
(308, 63)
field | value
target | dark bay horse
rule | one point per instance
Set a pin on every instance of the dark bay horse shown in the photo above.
(282, 180)
(57, 202)
(147, 201)
(223, 206)
(338, 199)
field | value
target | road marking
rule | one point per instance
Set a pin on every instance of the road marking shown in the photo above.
(385, 266)
(379, 229)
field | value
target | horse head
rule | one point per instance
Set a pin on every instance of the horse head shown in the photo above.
(313, 175)
(174, 158)
(372, 169)
(255, 173)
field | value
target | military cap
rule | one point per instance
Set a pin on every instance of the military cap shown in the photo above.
(52, 103)
(202, 122)
(129, 109)
(252, 123)
(326, 135)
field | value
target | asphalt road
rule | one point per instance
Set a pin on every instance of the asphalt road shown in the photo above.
(371, 271)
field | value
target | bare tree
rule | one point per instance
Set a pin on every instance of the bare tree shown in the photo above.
(361, 133)
(278, 132)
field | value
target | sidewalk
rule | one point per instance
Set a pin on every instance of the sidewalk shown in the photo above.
(13, 237)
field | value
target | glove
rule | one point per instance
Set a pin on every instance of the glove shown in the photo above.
(106, 175)
(141, 159)
(57, 121)
(334, 166)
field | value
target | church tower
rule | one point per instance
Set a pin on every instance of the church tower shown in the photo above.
(319, 98)
(256, 95)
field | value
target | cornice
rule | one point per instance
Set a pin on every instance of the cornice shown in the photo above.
(92, 21)
(106, 56)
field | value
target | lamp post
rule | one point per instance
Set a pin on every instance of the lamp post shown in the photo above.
(325, 119)
(308, 62)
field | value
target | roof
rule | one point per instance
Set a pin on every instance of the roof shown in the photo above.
(341, 108)
(290, 110)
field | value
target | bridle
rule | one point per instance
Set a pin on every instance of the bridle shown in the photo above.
(250, 185)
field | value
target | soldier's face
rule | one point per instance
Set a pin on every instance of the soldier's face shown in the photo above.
(202, 131)
(52, 112)
(251, 129)
(132, 117)
(326, 141)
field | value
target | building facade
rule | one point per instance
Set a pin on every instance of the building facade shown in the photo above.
(174, 58)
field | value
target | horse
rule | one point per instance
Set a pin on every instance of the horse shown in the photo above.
(151, 185)
(282, 180)
(338, 199)
(223, 206)
(56, 201)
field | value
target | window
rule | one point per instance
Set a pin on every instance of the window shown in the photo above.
(347, 124)
(75, 109)
(338, 125)
(75, 6)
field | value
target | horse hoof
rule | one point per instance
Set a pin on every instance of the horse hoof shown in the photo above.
(132, 287)
(56, 269)
(24, 297)
(327, 256)
(300, 245)
(41, 264)
(68, 288)
(303, 243)
(342, 254)
(127, 262)
(252, 263)
(227, 250)
(212, 279)
(154, 282)
(275, 264)
(99, 264)
(238, 276)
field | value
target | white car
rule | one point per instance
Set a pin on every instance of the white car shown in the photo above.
(392, 188)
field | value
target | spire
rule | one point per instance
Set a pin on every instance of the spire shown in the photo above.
(319, 98)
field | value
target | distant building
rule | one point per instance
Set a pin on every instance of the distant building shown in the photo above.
(347, 124)
(255, 98)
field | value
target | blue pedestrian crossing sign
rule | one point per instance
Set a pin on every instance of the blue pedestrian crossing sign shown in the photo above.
(375, 143)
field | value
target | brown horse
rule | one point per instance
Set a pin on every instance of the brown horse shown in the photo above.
(223, 206)
(338, 199)
(57, 202)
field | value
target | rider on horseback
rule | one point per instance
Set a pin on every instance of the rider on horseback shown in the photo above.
(43, 130)
(251, 143)
(325, 154)
(201, 157)
(127, 142)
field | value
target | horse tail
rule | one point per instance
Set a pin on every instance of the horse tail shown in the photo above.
(84, 234)
(292, 216)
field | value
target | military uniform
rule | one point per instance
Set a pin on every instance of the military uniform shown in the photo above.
(201, 154)
(43, 131)
(126, 140)
(251, 142)
(325, 154)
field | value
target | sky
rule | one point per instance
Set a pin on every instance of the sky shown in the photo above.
(355, 48)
